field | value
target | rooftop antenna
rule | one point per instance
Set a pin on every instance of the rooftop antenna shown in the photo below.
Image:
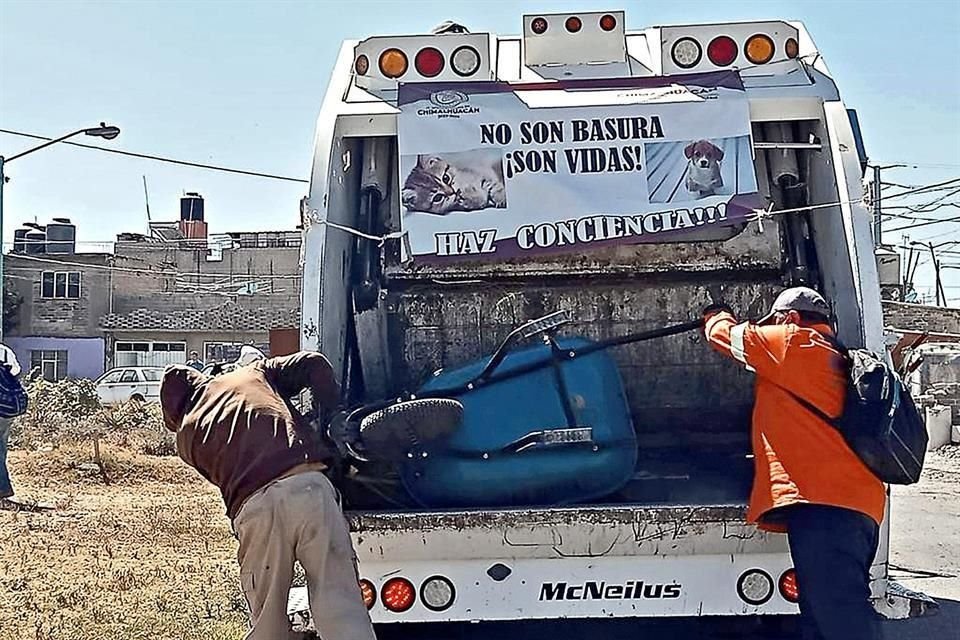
(146, 201)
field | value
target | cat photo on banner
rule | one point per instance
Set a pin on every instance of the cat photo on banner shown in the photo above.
(462, 181)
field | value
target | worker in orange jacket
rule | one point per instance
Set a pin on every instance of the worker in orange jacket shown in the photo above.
(808, 483)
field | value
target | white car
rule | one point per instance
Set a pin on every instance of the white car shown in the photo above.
(123, 384)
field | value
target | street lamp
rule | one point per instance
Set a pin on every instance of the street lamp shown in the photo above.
(103, 131)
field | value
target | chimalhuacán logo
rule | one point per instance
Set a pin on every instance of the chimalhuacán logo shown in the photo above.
(632, 590)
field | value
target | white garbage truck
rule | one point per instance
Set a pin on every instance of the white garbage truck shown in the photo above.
(465, 183)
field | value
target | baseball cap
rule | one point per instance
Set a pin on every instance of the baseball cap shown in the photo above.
(798, 299)
(248, 355)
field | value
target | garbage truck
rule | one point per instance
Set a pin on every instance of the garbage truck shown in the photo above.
(581, 182)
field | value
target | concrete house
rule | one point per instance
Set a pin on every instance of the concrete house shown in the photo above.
(155, 298)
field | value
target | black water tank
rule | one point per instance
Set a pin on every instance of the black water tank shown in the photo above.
(35, 241)
(20, 240)
(191, 207)
(61, 236)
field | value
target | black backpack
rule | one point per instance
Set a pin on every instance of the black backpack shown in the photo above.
(880, 421)
(13, 397)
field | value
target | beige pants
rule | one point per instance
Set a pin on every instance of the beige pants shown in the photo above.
(297, 518)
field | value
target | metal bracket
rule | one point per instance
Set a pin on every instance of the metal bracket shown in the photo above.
(813, 146)
(900, 603)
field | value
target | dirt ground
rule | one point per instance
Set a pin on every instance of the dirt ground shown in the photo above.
(148, 556)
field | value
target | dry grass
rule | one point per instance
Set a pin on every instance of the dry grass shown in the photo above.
(148, 556)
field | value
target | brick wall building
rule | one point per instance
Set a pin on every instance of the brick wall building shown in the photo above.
(156, 298)
(937, 379)
(918, 317)
(210, 296)
(63, 297)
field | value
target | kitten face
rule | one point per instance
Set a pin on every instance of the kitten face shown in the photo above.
(430, 187)
(436, 186)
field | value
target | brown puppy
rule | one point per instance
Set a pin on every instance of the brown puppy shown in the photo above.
(703, 168)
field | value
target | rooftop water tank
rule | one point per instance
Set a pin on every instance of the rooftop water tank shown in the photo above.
(20, 239)
(191, 207)
(35, 241)
(61, 236)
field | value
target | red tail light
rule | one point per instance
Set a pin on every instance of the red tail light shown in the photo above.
(792, 48)
(398, 595)
(789, 588)
(573, 24)
(608, 23)
(722, 51)
(539, 26)
(369, 593)
(362, 65)
(429, 62)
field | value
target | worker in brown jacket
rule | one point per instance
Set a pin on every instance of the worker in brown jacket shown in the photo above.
(241, 432)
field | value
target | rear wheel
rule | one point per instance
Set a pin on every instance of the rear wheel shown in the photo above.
(390, 433)
(137, 399)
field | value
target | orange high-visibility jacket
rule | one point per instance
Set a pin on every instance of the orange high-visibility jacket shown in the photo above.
(798, 458)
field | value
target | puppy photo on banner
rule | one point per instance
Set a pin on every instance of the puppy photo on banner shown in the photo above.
(682, 171)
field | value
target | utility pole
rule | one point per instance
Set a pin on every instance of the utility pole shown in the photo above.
(938, 282)
(877, 209)
(876, 197)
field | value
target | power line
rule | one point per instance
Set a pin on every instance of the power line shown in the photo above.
(907, 216)
(151, 272)
(946, 185)
(922, 224)
(922, 165)
(146, 156)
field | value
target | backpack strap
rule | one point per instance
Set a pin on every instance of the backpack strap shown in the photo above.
(809, 406)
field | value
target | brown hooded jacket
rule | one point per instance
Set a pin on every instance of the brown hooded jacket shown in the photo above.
(239, 429)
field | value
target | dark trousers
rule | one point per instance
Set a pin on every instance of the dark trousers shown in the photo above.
(832, 550)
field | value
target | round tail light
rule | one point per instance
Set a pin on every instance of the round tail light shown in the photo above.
(361, 65)
(393, 63)
(755, 587)
(722, 51)
(428, 62)
(573, 24)
(539, 26)
(465, 61)
(398, 595)
(686, 53)
(369, 593)
(759, 49)
(792, 48)
(608, 23)
(789, 588)
(437, 593)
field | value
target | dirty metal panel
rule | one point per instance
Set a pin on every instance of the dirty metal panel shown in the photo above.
(558, 533)
(436, 327)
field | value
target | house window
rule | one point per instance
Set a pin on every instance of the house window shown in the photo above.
(169, 346)
(142, 347)
(52, 364)
(60, 284)
(227, 351)
(148, 354)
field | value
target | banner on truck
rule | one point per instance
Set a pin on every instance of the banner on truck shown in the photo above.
(497, 171)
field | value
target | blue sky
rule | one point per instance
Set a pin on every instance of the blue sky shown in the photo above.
(240, 84)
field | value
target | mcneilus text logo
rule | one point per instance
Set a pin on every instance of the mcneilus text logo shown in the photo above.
(632, 590)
